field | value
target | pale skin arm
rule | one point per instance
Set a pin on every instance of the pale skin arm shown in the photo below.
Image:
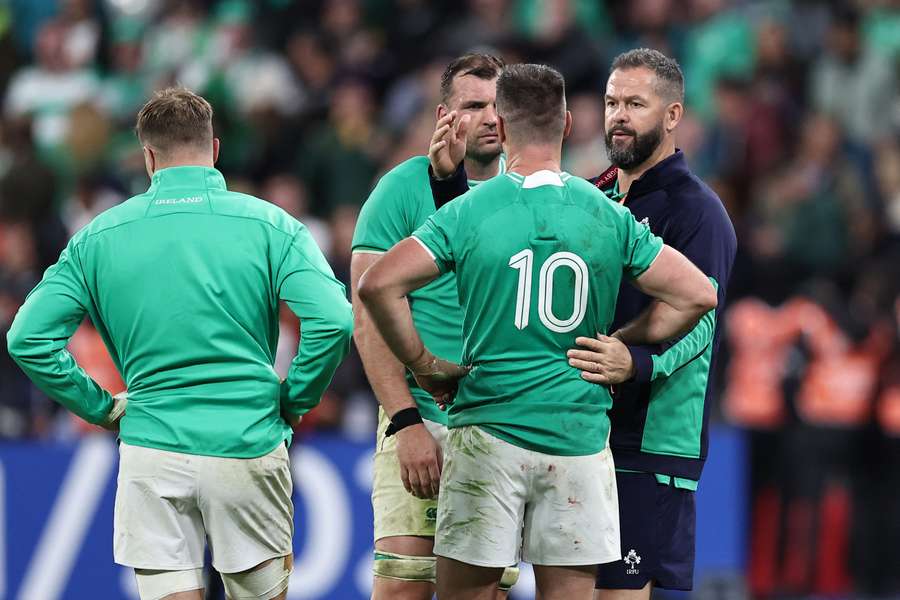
(383, 289)
(684, 294)
(419, 455)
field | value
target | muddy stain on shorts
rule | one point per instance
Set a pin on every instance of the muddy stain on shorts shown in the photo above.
(470, 441)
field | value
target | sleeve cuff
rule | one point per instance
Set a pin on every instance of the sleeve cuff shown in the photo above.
(445, 190)
(642, 360)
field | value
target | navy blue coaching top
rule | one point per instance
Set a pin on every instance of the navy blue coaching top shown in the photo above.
(660, 418)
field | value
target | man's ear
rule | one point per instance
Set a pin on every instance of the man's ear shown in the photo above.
(568, 128)
(216, 145)
(440, 112)
(149, 160)
(674, 113)
(501, 129)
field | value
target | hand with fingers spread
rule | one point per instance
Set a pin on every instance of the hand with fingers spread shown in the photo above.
(604, 360)
(420, 461)
(448, 144)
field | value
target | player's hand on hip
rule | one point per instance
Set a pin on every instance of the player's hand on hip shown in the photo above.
(604, 360)
(448, 144)
(420, 461)
(440, 378)
(292, 420)
(120, 403)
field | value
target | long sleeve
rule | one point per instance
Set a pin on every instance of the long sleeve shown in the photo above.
(40, 332)
(649, 366)
(308, 286)
(710, 243)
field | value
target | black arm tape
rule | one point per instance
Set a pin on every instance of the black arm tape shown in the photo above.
(403, 418)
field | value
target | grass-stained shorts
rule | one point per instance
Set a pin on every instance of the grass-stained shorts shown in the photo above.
(397, 512)
(500, 503)
(169, 503)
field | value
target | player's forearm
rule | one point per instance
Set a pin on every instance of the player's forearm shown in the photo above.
(385, 373)
(37, 341)
(324, 342)
(54, 371)
(383, 289)
(687, 348)
(659, 323)
(391, 315)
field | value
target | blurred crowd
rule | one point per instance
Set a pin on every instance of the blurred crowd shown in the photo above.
(793, 117)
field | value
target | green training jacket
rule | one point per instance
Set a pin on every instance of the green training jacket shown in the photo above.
(183, 283)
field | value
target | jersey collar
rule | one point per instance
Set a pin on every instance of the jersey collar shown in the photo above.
(658, 177)
(195, 178)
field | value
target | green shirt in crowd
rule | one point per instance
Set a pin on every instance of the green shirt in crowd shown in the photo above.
(399, 204)
(538, 262)
(183, 283)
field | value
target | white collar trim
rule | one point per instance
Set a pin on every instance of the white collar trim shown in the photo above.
(543, 177)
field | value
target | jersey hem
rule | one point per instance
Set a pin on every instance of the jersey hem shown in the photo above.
(182, 450)
(540, 449)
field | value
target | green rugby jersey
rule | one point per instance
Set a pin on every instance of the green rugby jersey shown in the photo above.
(538, 262)
(398, 205)
(182, 283)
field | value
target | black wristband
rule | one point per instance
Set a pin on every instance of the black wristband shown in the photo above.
(445, 190)
(401, 419)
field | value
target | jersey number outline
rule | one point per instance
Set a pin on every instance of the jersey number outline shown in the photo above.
(523, 262)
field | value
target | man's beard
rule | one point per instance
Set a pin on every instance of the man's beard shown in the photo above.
(642, 146)
(483, 155)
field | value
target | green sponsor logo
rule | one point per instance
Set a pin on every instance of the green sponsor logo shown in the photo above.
(431, 513)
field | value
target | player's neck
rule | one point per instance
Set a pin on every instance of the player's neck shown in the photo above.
(482, 171)
(188, 160)
(662, 152)
(531, 159)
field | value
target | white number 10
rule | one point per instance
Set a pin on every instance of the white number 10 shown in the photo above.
(523, 263)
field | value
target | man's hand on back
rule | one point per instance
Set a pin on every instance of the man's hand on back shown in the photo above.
(448, 144)
(603, 360)
(420, 461)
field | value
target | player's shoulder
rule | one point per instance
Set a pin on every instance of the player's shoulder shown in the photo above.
(583, 187)
(487, 195)
(123, 213)
(245, 206)
(502, 182)
(411, 171)
(403, 188)
(591, 198)
(699, 204)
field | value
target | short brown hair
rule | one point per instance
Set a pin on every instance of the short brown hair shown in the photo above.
(669, 78)
(173, 118)
(532, 101)
(483, 66)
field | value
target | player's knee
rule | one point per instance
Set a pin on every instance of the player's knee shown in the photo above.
(266, 581)
(155, 585)
(402, 567)
(508, 579)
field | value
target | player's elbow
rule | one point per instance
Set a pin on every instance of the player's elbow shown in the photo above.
(706, 299)
(17, 343)
(371, 287)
